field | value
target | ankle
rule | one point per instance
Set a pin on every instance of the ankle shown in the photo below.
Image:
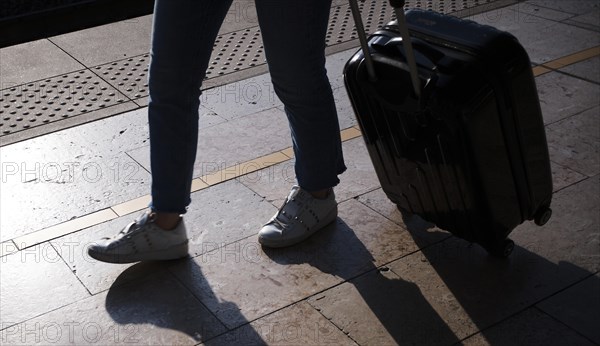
(166, 221)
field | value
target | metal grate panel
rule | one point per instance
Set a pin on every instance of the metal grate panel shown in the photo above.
(236, 53)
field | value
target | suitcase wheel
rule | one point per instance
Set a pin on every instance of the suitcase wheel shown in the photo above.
(502, 249)
(542, 216)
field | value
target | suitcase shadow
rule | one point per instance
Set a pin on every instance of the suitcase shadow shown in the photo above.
(491, 289)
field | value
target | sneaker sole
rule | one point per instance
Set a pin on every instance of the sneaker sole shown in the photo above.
(174, 252)
(277, 243)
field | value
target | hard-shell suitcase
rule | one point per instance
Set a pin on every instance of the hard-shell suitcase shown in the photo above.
(457, 139)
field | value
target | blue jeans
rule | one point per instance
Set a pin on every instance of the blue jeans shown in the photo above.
(293, 34)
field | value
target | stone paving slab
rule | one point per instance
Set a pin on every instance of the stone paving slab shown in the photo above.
(380, 308)
(530, 327)
(571, 237)
(590, 20)
(154, 311)
(241, 98)
(563, 176)
(33, 61)
(335, 67)
(420, 229)
(543, 39)
(527, 10)
(344, 108)
(589, 69)
(241, 15)
(570, 6)
(298, 324)
(33, 282)
(81, 178)
(97, 46)
(578, 307)
(232, 142)
(273, 184)
(562, 96)
(575, 142)
(224, 214)
(384, 239)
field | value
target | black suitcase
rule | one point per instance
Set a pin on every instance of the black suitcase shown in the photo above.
(461, 142)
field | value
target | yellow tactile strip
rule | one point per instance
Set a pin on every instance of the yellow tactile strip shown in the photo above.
(233, 172)
(566, 61)
(64, 228)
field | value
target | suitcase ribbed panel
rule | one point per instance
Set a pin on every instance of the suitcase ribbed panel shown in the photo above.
(428, 182)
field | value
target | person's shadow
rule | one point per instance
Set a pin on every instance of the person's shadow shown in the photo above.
(487, 289)
(160, 300)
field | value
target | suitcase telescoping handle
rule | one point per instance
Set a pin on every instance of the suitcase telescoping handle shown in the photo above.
(398, 6)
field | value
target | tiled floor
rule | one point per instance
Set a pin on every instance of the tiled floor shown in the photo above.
(372, 278)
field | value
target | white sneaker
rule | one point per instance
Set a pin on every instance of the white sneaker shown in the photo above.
(300, 216)
(142, 240)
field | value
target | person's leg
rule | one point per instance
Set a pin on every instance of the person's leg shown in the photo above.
(183, 35)
(294, 40)
(184, 32)
(293, 34)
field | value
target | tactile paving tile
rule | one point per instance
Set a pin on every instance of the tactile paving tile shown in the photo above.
(236, 51)
(30, 105)
(341, 25)
(129, 76)
(25, 106)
